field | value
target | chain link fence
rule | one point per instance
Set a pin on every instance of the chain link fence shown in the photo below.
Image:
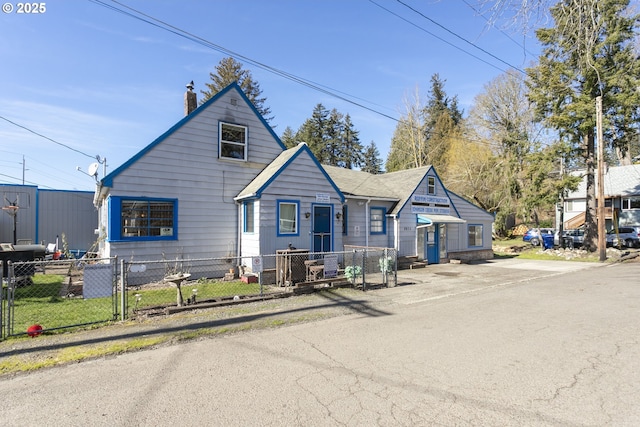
(47, 295)
(66, 293)
(152, 287)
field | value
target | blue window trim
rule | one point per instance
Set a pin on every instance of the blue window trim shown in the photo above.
(481, 235)
(297, 203)
(246, 141)
(245, 223)
(384, 220)
(345, 223)
(114, 233)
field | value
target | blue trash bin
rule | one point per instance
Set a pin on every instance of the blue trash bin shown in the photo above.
(547, 241)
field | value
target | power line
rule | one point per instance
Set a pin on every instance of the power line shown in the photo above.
(437, 37)
(141, 16)
(459, 36)
(46, 137)
(502, 31)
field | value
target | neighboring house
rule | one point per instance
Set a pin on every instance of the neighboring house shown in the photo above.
(412, 211)
(622, 198)
(44, 216)
(220, 183)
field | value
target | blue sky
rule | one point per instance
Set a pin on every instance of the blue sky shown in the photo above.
(93, 81)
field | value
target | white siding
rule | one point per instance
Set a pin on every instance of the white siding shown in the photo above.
(357, 219)
(185, 166)
(300, 181)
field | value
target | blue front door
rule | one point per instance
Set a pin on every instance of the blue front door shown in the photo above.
(431, 245)
(321, 229)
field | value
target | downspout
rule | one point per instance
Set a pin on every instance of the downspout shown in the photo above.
(396, 232)
(239, 236)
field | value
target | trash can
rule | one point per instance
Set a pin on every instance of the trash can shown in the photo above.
(547, 241)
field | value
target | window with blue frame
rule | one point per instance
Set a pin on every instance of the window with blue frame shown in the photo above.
(288, 213)
(475, 235)
(144, 219)
(249, 216)
(377, 223)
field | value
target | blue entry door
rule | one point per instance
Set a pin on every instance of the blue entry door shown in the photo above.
(321, 229)
(431, 245)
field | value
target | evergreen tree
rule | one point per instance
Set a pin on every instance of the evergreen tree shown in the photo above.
(313, 132)
(588, 53)
(422, 137)
(288, 138)
(352, 155)
(228, 71)
(371, 161)
(332, 138)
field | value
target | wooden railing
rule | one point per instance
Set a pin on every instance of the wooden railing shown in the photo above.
(578, 220)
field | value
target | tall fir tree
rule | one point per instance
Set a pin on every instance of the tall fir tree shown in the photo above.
(228, 71)
(288, 137)
(371, 161)
(589, 53)
(332, 138)
(352, 151)
(422, 137)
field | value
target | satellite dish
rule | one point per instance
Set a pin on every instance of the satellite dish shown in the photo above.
(93, 169)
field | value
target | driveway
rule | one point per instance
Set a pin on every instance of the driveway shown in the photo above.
(548, 349)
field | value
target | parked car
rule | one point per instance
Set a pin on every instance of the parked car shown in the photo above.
(624, 237)
(534, 235)
(573, 238)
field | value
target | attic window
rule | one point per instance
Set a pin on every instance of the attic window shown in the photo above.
(431, 185)
(233, 141)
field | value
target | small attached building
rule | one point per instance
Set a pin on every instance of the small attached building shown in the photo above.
(412, 211)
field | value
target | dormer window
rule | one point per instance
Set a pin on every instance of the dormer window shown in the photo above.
(233, 141)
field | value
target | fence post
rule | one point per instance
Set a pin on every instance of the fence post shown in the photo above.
(123, 296)
(364, 269)
(1, 301)
(10, 297)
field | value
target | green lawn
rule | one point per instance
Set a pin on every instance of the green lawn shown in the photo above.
(41, 302)
(206, 290)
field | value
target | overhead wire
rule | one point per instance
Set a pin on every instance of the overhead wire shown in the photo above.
(453, 33)
(46, 137)
(141, 16)
(436, 36)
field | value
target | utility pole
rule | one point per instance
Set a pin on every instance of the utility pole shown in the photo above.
(602, 243)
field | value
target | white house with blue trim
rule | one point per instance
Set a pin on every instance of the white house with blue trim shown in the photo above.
(220, 183)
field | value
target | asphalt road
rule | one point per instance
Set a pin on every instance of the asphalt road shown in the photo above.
(503, 343)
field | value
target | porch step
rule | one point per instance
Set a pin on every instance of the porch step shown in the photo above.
(410, 262)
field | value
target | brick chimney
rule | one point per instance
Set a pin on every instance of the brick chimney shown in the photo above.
(190, 101)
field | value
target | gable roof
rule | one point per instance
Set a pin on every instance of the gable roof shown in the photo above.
(108, 180)
(618, 181)
(393, 186)
(276, 167)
